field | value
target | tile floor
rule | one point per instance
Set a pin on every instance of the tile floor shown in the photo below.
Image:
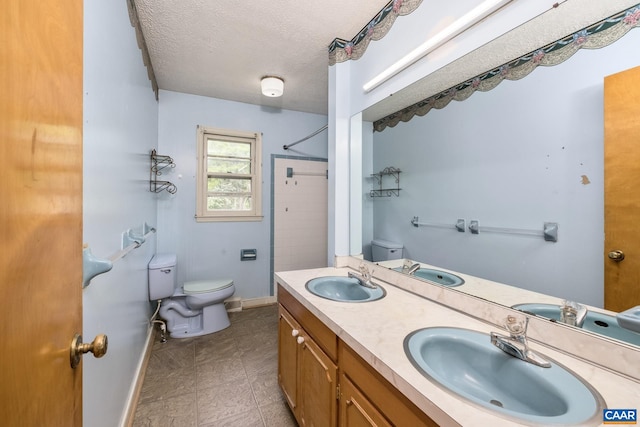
(224, 379)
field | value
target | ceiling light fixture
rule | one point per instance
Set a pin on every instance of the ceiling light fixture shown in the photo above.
(272, 86)
(463, 23)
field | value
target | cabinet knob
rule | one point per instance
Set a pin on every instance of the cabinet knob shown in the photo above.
(300, 340)
(295, 333)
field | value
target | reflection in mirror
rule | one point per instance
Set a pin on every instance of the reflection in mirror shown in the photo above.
(527, 152)
(588, 318)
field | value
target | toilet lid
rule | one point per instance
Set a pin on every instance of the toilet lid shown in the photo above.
(201, 286)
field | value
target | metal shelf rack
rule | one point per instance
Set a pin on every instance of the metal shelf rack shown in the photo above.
(158, 164)
(383, 191)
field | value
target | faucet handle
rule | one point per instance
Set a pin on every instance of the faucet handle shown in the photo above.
(515, 326)
(365, 272)
(572, 313)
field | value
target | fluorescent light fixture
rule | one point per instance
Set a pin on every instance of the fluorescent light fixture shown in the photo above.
(272, 86)
(463, 23)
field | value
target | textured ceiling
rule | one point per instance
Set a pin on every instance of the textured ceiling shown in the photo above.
(221, 49)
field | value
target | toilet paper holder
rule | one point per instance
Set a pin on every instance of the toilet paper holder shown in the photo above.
(248, 254)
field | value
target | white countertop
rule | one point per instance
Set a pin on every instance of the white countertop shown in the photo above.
(376, 331)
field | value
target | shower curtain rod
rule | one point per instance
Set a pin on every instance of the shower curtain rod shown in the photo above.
(286, 147)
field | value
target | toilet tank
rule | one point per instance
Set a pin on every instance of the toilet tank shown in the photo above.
(384, 250)
(162, 276)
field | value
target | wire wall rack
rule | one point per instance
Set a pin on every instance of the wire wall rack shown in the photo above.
(383, 190)
(158, 164)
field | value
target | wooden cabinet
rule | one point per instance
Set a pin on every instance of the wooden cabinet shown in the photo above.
(306, 373)
(376, 396)
(309, 357)
(318, 386)
(288, 331)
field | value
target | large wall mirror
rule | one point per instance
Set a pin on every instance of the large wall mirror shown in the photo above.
(525, 153)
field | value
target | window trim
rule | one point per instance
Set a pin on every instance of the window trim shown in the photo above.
(204, 215)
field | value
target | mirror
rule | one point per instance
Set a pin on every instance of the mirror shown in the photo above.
(527, 152)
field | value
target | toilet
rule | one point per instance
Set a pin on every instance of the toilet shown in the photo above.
(193, 309)
(384, 250)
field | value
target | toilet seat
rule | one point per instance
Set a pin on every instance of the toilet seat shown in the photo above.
(204, 286)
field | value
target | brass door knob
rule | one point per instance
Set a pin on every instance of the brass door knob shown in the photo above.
(98, 347)
(616, 255)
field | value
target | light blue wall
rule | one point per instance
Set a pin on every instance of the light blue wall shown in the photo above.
(512, 157)
(120, 129)
(212, 250)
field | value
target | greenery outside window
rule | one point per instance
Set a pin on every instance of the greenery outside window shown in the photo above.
(229, 180)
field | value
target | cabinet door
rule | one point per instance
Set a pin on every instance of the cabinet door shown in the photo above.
(318, 397)
(355, 408)
(288, 332)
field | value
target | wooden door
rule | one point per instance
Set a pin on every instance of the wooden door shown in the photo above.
(40, 211)
(622, 194)
(355, 409)
(288, 331)
(318, 387)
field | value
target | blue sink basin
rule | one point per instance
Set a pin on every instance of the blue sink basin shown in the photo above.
(438, 276)
(345, 289)
(599, 323)
(466, 363)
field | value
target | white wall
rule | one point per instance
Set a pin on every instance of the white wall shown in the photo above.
(368, 203)
(120, 129)
(512, 157)
(339, 160)
(212, 250)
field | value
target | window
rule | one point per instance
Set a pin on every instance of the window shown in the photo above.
(229, 184)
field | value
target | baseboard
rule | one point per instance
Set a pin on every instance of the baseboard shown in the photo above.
(136, 387)
(258, 302)
(233, 304)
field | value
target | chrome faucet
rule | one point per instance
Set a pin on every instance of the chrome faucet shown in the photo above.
(516, 343)
(364, 278)
(408, 267)
(572, 313)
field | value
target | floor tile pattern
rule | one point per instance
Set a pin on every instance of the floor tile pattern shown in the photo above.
(225, 379)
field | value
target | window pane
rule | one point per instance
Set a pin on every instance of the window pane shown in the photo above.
(220, 148)
(229, 175)
(237, 166)
(228, 185)
(229, 203)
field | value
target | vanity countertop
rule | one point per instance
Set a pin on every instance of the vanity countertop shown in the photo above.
(376, 331)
